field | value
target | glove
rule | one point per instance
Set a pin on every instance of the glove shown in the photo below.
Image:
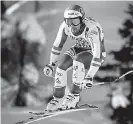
(87, 83)
(48, 69)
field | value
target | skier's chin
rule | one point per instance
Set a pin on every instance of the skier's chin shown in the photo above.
(74, 30)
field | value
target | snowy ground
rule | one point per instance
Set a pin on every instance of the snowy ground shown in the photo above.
(95, 96)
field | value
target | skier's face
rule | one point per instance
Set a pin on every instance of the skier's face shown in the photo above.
(74, 23)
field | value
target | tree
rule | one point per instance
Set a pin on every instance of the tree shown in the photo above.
(124, 59)
(3, 8)
(125, 55)
(20, 53)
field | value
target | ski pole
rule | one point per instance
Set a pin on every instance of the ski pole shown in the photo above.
(101, 83)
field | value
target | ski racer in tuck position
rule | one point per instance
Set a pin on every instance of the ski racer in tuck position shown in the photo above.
(88, 53)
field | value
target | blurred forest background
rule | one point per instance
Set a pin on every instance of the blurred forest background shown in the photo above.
(28, 30)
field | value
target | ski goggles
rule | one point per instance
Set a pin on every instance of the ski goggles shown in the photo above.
(72, 21)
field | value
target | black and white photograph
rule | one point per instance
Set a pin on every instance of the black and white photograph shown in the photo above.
(66, 62)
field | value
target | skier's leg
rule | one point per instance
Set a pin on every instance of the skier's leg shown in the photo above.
(61, 80)
(80, 65)
(81, 62)
(61, 76)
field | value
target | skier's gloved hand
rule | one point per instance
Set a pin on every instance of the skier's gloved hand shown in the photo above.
(48, 69)
(87, 83)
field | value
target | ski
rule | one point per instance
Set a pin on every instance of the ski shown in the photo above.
(42, 115)
(81, 107)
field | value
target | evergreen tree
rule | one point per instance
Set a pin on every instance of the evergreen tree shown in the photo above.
(19, 59)
(124, 58)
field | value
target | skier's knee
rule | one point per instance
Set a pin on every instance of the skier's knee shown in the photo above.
(63, 66)
(79, 58)
(65, 63)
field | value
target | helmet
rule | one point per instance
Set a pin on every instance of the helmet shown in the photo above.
(74, 11)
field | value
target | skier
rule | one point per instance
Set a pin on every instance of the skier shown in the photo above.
(88, 53)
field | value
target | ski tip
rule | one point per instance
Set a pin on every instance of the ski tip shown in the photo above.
(88, 106)
(37, 113)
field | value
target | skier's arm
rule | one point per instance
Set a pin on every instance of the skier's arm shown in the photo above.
(95, 38)
(58, 44)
